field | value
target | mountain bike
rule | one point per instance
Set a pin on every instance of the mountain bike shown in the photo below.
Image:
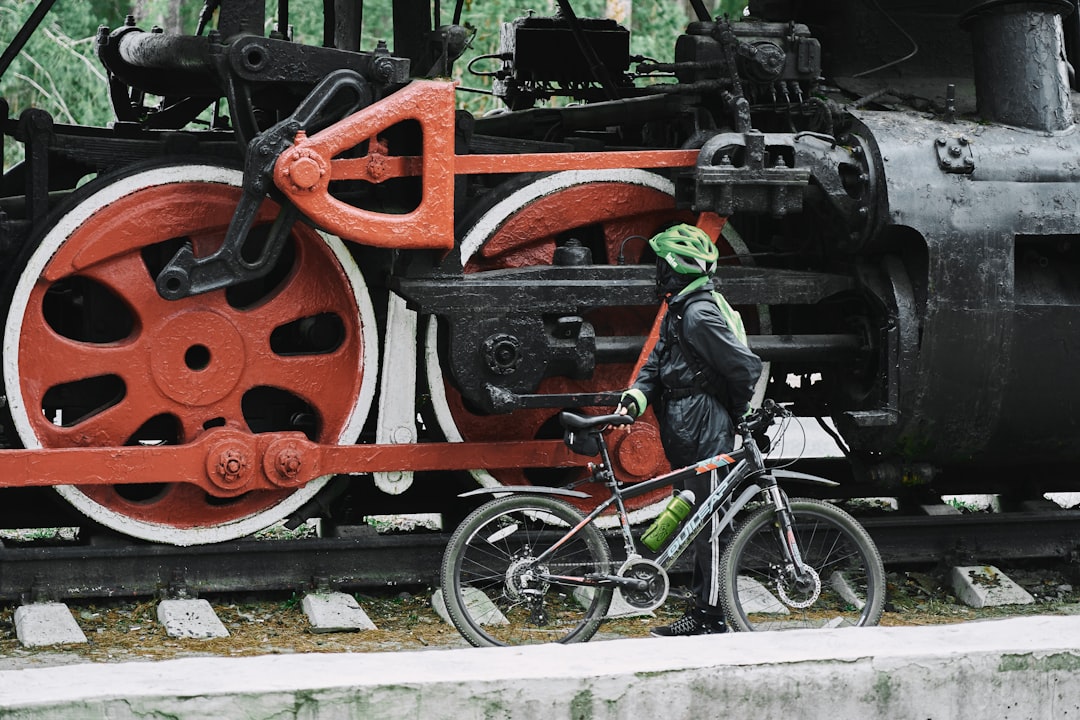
(527, 567)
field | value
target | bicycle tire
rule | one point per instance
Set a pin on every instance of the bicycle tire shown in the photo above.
(759, 595)
(492, 553)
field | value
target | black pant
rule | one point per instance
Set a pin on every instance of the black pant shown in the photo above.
(706, 550)
(695, 428)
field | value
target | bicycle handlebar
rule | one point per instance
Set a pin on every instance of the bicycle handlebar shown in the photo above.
(763, 417)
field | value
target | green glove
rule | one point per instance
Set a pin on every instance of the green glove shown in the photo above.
(634, 401)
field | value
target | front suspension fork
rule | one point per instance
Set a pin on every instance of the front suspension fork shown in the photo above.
(785, 529)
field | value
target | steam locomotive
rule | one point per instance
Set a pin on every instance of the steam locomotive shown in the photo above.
(294, 280)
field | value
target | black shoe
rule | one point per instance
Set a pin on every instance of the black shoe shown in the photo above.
(694, 622)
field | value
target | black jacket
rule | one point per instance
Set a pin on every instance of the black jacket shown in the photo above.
(695, 424)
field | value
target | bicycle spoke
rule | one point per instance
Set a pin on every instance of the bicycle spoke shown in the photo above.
(844, 585)
(498, 593)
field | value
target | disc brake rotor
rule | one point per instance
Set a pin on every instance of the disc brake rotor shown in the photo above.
(808, 589)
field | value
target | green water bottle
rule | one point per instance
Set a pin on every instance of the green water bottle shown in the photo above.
(678, 507)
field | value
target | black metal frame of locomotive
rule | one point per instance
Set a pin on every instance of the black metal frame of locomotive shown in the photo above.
(906, 229)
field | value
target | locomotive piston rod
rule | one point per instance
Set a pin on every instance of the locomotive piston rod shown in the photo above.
(553, 288)
(835, 347)
(530, 351)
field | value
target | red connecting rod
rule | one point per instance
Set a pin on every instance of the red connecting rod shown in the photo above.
(227, 462)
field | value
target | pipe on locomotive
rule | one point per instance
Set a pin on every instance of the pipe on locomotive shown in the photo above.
(1021, 75)
(159, 63)
(832, 348)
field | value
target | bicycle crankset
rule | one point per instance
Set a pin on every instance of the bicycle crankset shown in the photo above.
(653, 594)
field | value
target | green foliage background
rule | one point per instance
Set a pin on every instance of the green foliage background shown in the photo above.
(59, 72)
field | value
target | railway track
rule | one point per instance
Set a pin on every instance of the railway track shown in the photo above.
(362, 558)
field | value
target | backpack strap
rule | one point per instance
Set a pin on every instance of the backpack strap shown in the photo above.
(705, 377)
(731, 316)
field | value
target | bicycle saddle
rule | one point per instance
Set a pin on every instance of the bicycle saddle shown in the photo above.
(573, 421)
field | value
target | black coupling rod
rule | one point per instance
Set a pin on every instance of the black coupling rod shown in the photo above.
(781, 348)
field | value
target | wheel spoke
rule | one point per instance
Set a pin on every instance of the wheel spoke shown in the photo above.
(491, 563)
(127, 276)
(306, 291)
(193, 421)
(80, 361)
(307, 376)
(844, 585)
(113, 425)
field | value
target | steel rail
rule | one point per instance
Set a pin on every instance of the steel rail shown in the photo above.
(369, 560)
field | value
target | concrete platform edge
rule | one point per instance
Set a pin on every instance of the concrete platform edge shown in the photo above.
(1016, 668)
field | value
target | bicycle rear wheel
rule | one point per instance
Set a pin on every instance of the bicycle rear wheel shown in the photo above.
(846, 588)
(496, 593)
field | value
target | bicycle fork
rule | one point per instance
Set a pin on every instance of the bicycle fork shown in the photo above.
(785, 531)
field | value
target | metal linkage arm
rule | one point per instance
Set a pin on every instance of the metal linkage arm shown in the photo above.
(187, 275)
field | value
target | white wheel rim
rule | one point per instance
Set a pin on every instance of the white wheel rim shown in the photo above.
(108, 517)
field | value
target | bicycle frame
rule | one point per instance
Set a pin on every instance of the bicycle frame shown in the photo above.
(744, 463)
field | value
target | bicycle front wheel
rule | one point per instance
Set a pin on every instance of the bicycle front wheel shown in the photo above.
(498, 593)
(844, 587)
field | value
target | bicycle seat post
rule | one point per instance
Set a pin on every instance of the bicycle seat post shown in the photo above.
(607, 475)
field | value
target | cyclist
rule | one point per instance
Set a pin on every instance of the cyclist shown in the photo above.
(700, 376)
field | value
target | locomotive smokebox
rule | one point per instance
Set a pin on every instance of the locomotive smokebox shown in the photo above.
(1021, 76)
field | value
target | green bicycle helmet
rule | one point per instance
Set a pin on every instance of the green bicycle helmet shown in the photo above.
(688, 250)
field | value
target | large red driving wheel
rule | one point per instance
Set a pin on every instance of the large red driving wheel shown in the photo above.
(95, 357)
(522, 229)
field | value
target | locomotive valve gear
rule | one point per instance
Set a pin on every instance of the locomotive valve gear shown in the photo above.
(187, 274)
